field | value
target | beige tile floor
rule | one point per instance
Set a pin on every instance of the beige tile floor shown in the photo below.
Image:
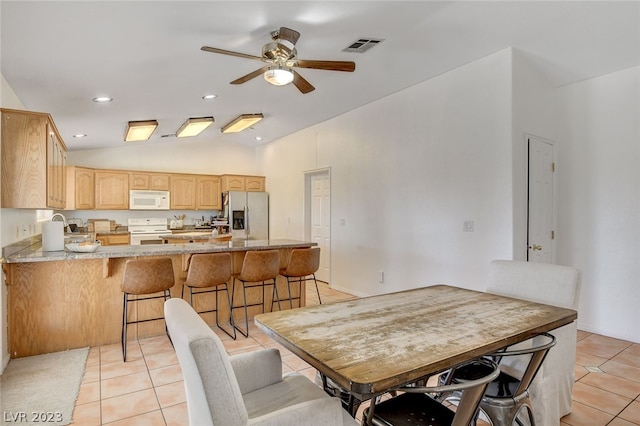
(148, 388)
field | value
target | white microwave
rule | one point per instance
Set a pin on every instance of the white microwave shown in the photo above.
(148, 200)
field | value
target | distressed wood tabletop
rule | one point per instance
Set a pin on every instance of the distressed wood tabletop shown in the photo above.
(374, 344)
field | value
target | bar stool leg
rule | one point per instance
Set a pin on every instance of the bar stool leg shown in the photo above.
(275, 291)
(317, 289)
(123, 336)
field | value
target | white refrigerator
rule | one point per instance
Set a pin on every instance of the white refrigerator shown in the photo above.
(247, 213)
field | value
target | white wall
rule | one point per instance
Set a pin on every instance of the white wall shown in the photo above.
(534, 114)
(179, 156)
(599, 185)
(406, 171)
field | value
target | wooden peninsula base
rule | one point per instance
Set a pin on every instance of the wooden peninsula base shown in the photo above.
(76, 301)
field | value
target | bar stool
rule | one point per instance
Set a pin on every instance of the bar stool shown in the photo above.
(144, 277)
(302, 267)
(261, 268)
(209, 273)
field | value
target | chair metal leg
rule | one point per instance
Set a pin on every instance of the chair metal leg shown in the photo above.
(317, 289)
(275, 290)
(290, 296)
(123, 336)
(226, 290)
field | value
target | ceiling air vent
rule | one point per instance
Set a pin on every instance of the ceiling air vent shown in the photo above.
(362, 45)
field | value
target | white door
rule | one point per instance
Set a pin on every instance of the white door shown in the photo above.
(540, 231)
(320, 220)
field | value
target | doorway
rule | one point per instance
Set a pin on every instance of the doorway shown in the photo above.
(317, 214)
(540, 200)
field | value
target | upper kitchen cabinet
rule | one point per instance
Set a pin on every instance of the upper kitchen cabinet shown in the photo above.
(80, 188)
(183, 192)
(150, 181)
(34, 159)
(209, 195)
(243, 183)
(111, 190)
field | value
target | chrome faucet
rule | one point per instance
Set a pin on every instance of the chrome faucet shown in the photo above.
(64, 219)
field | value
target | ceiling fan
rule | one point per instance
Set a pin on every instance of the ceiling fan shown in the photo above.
(281, 58)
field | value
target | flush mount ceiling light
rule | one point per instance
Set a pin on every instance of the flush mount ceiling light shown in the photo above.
(102, 99)
(140, 130)
(278, 75)
(241, 123)
(194, 126)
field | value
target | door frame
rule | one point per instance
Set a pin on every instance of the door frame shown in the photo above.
(308, 174)
(554, 197)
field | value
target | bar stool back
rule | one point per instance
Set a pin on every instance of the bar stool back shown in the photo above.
(143, 279)
(209, 273)
(260, 268)
(302, 267)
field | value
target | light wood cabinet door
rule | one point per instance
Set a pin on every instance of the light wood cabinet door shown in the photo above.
(255, 183)
(183, 192)
(209, 195)
(33, 161)
(56, 169)
(112, 190)
(113, 239)
(139, 180)
(233, 183)
(80, 188)
(159, 182)
(151, 181)
(243, 183)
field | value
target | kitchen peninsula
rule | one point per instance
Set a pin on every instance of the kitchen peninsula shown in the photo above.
(64, 300)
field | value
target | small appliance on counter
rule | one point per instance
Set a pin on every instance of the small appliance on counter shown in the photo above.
(53, 234)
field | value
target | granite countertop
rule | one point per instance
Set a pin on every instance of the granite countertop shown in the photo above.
(25, 252)
(193, 235)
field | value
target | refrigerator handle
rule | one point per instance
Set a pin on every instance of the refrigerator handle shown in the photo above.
(247, 230)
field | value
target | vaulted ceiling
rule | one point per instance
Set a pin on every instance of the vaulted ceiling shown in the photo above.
(57, 56)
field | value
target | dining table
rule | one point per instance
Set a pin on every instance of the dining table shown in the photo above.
(369, 346)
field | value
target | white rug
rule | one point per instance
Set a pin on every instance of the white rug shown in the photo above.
(42, 389)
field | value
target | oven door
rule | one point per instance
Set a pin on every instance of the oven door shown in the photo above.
(144, 238)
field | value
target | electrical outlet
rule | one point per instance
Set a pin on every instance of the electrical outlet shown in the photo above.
(467, 226)
(381, 277)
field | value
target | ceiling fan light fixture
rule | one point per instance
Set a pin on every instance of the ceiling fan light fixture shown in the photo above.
(278, 76)
(140, 130)
(241, 122)
(194, 126)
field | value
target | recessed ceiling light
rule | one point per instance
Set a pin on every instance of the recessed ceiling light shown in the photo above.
(101, 99)
(258, 138)
(80, 135)
(207, 97)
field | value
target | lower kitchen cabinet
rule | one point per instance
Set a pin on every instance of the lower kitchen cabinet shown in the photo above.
(113, 239)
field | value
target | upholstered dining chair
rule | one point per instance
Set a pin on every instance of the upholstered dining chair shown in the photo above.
(551, 390)
(243, 389)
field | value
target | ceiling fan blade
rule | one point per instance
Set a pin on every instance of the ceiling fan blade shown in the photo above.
(301, 83)
(288, 34)
(250, 76)
(229, 52)
(348, 66)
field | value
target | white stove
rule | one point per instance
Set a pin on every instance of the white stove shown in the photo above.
(147, 231)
